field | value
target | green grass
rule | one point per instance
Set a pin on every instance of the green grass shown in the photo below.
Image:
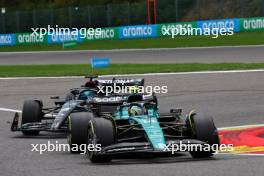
(244, 38)
(78, 70)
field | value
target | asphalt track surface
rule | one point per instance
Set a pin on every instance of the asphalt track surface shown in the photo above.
(232, 98)
(245, 54)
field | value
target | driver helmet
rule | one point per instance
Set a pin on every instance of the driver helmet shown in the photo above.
(91, 84)
(135, 110)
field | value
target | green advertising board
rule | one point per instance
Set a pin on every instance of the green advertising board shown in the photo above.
(30, 38)
(252, 24)
(69, 44)
(105, 34)
(115, 33)
(163, 28)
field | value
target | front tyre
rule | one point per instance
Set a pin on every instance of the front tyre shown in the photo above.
(101, 132)
(78, 123)
(31, 113)
(203, 129)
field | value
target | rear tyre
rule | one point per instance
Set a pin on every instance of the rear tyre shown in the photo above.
(32, 112)
(78, 123)
(203, 129)
(101, 132)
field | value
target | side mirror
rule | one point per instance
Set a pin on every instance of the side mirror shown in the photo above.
(60, 103)
(176, 112)
(75, 92)
(55, 97)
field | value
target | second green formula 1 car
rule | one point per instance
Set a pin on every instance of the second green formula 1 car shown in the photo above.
(137, 128)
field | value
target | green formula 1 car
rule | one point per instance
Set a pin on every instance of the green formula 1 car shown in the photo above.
(137, 128)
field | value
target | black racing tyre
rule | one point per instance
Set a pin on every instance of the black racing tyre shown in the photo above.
(203, 129)
(32, 112)
(100, 131)
(78, 124)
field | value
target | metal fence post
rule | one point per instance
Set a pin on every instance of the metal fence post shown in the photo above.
(17, 22)
(51, 17)
(221, 9)
(128, 14)
(70, 16)
(34, 18)
(89, 16)
(3, 23)
(262, 7)
(242, 6)
(176, 10)
(109, 15)
(198, 5)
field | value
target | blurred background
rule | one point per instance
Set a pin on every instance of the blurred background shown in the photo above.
(21, 15)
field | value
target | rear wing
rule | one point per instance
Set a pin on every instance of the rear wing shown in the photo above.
(122, 82)
(109, 104)
(121, 98)
(117, 81)
(106, 105)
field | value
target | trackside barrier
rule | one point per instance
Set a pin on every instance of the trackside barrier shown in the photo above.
(106, 34)
(133, 32)
(28, 38)
(139, 31)
(251, 24)
(220, 24)
(7, 39)
(163, 29)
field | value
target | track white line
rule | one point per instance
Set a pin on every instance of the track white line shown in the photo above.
(10, 110)
(186, 73)
(241, 154)
(241, 126)
(125, 50)
(52, 77)
(251, 154)
(221, 128)
(145, 74)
